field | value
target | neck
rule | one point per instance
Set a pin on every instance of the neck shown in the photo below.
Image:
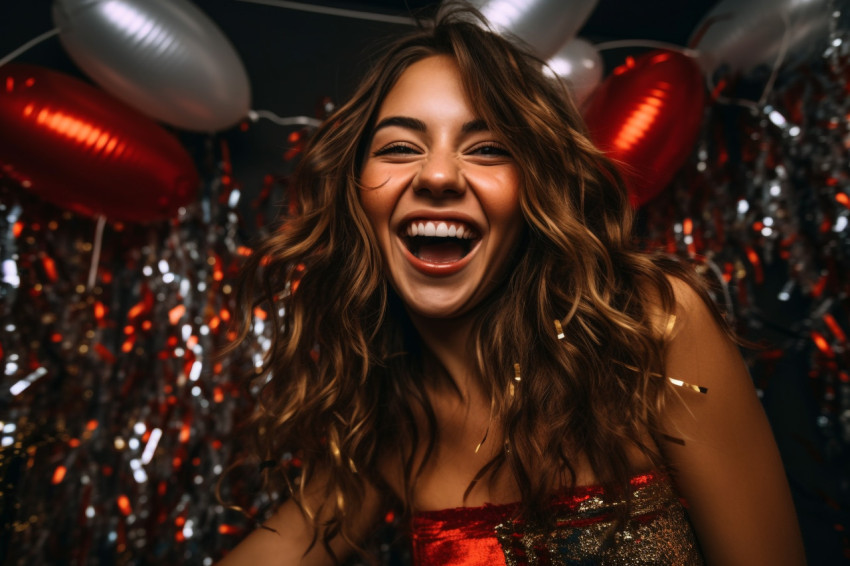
(449, 340)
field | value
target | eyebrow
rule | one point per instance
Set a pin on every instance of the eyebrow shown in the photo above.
(402, 122)
(477, 125)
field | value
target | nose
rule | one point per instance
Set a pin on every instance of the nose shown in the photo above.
(440, 176)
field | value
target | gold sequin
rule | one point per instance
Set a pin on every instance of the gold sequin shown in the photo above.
(658, 533)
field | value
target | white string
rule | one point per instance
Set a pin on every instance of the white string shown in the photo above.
(255, 115)
(336, 11)
(751, 105)
(28, 45)
(757, 107)
(780, 58)
(95, 254)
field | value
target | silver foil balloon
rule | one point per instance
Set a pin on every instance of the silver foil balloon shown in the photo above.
(743, 34)
(579, 63)
(165, 57)
(545, 25)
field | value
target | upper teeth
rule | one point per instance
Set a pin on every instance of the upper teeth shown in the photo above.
(440, 230)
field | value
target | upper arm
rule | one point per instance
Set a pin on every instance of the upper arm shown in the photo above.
(728, 467)
(286, 536)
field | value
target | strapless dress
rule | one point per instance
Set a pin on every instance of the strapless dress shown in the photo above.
(656, 533)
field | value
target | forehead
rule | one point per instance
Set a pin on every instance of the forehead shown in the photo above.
(430, 84)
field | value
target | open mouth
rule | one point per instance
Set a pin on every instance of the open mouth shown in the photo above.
(439, 241)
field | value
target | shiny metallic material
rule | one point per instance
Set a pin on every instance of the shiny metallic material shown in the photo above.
(164, 57)
(105, 159)
(545, 25)
(657, 531)
(745, 34)
(646, 115)
(580, 65)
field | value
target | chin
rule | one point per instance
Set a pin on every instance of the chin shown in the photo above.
(439, 313)
(443, 308)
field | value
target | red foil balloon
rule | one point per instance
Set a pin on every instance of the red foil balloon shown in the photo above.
(78, 147)
(646, 116)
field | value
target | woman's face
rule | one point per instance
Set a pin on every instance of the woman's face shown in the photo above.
(441, 192)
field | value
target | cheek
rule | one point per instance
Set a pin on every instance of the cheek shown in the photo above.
(377, 215)
(377, 208)
(501, 200)
(369, 175)
(376, 195)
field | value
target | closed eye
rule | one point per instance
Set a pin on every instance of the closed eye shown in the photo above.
(489, 148)
(397, 148)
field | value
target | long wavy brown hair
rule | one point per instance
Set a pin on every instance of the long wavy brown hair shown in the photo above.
(343, 378)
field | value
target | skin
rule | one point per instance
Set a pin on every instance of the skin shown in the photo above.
(728, 468)
(430, 158)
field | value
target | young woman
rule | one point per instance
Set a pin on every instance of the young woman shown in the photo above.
(467, 330)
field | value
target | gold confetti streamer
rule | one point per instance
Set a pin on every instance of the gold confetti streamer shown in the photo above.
(559, 329)
(680, 383)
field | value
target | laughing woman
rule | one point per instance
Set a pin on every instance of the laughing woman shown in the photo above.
(468, 331)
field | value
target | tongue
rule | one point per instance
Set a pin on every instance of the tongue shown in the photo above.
(446, 252)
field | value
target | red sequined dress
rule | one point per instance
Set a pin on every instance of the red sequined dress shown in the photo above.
(657, 533)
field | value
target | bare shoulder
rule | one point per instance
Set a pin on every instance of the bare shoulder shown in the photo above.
(723, 455)
(283, 540)
(287, 537)
(692, 306)
(689, 310)
(689, 303)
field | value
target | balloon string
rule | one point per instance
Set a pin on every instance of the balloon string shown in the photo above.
(255, 115)
(780, 58)
(28, 45)
(750, 105)
(95, 254)
(646, 43)
(336, 11)
(756, 106)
